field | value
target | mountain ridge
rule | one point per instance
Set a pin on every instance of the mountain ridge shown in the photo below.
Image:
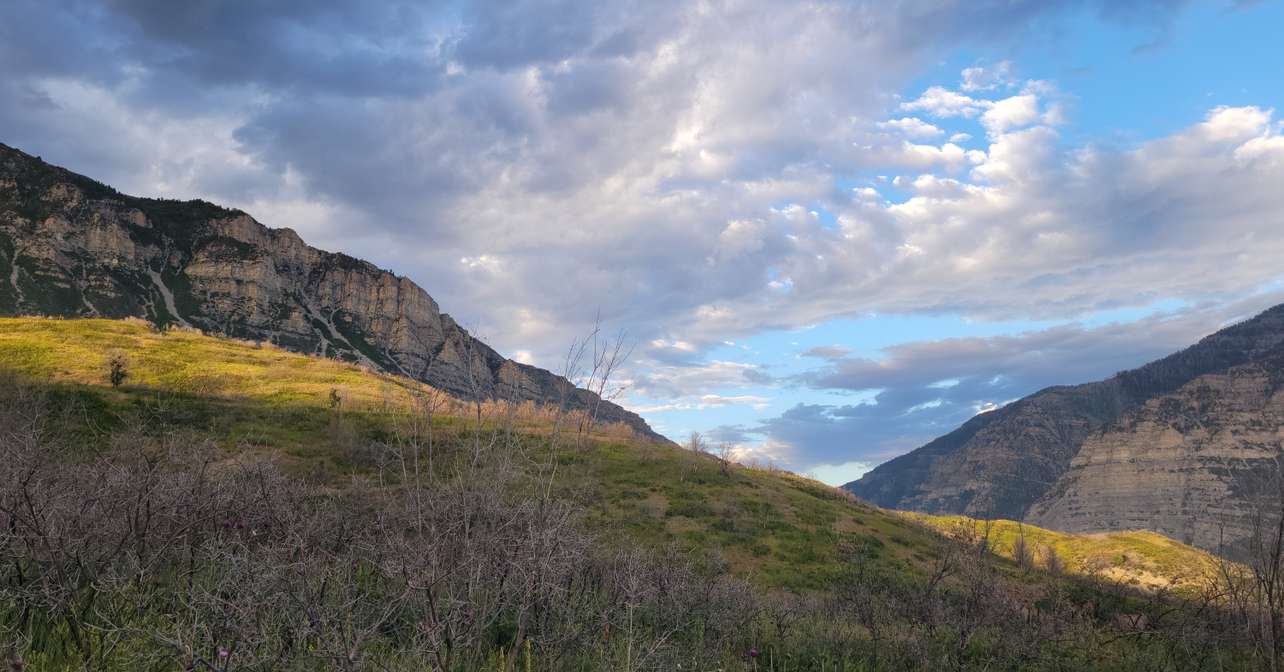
(71, 246)
(1004, 463)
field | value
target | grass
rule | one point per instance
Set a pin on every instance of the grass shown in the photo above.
(187, 362)
(1138, 558)
(776, 529)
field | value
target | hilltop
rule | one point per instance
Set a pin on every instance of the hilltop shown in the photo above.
(73, 247)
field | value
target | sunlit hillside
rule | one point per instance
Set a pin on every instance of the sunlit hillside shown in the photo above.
(1138, 558)
(803, 547)
(772, 526)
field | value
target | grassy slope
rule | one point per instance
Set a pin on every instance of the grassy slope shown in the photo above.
(777, 529)
(1140, 558)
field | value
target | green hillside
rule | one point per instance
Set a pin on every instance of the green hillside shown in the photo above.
(779, 529)
(796, 567)
(1138, 558)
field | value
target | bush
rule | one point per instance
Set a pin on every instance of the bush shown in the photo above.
(117, 368)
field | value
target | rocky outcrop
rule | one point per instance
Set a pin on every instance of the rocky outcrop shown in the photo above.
(1197, 465)
(70, 246)
(1001, 463)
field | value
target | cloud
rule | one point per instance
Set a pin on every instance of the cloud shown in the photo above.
(661, 378)
(603, 155)
(685, 169)
(1041, 230)
(912, 127)
(925, 389)
(1011, 112)
(941, 102)
(707, 401)
(949, 157)
(979, 78)
(831, 352)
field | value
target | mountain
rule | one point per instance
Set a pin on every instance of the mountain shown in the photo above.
(1146, 448)
(1194, 465)
(73, 247)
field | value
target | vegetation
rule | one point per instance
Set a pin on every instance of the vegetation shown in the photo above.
(230, 506)
(116, 369)
(1139, 558)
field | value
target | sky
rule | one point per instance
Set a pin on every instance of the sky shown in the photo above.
(830, 231)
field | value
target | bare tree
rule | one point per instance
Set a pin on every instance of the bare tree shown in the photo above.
(1021, 552)
(724, 455)
(1052, 563)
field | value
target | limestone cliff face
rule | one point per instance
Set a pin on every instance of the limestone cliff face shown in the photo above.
(70, 246)
(1001, 463)
(997, 463)
(1192, 465)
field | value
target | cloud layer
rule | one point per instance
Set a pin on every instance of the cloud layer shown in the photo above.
(696, 172)
(645, 157)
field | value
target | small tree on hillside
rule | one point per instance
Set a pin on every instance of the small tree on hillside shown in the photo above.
(1021, 552)
(725, 451)
(1052, 561)
(696, 443)
(117, 369)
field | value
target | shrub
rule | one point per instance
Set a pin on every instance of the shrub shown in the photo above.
(117, 368)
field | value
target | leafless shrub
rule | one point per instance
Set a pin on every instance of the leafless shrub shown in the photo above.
(724, 454)
(1254, 590)
(1022, 554)
(1052, 561)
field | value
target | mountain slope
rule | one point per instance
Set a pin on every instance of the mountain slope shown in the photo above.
(1194, 464)
(265, 506)
(70, 246)
(1001, 463)
(782, 529)
(772, 527)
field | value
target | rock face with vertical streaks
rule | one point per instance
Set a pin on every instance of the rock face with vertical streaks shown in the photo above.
(1194, 465)
(1186, 446)
(70, 246)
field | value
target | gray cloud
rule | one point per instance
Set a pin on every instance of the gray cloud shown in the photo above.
(605, 147)
(830, 352)
(530, 163)
(335, 46)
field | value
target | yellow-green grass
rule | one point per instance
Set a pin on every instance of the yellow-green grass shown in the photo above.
(772, 527)
(1143, 559)
(188, 362)
(776, 528)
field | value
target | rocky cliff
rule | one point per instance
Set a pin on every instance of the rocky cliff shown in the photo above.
(70, 246)
(1001, 463)
(1194, 465)
(997, 463)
